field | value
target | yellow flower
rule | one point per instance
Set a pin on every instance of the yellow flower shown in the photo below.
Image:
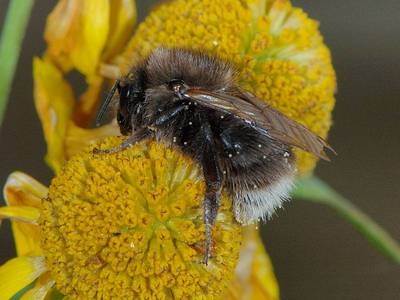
(127, 226)
(278, 49)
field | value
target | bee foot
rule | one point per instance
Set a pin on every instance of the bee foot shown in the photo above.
(135, 137)
(117, 149)
(208, 243)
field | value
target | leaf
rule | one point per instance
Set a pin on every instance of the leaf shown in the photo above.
(11, 39)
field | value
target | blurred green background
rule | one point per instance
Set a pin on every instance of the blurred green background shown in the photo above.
(316, 254)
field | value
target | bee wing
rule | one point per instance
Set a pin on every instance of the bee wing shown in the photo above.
(260, 115)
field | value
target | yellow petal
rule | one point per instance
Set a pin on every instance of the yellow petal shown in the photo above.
(78, 138)
(122, 20)
(87, 104)
(76, 32)
(110, 71)
(263, 279)
(255, 279)
(54, 102)
(26, 238)
(19, 272)
(20, 213)
(21, 190)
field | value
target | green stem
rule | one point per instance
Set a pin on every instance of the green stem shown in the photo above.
(315, 190)
(10, 45)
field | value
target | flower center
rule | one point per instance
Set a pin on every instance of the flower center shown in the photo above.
(130, 225)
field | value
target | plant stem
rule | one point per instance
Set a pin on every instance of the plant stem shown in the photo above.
(17, 17)
(315, 190)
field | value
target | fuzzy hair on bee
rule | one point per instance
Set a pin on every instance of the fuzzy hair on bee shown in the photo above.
(191, 101)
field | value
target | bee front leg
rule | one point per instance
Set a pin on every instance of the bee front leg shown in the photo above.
(135, 137)
(213, 178)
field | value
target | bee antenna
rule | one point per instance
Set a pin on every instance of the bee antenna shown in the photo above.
(106, 103)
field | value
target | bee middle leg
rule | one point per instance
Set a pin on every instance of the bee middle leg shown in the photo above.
(213, 178)
(168, 115)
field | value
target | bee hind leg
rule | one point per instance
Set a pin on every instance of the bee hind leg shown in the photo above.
(135, 137)
(213, 179)
(211, 205)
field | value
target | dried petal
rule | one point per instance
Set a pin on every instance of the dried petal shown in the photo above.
(54, 102)
(21, 190)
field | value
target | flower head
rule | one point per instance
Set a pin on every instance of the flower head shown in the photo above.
(279, 51)
(130, 224)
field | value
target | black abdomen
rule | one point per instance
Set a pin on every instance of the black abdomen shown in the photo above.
(248, 159)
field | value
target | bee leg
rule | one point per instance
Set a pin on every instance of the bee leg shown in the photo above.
(211, 205)
(213, 179)
(169, 114)
(135, 137)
